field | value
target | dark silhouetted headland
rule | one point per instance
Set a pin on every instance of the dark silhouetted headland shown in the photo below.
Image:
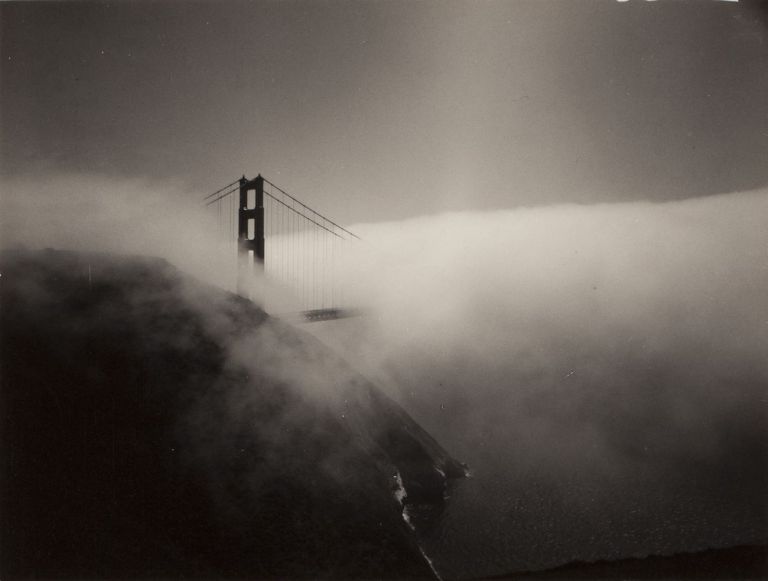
(155, 427)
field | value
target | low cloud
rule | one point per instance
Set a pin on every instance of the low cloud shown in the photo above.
(563, 340)
(656, 312)
(100, 214)
(602, 369)
(576, 339)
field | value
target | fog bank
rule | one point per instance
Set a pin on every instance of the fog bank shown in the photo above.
(91, 212)
(603, 370)
(658, 310)
(594, 363)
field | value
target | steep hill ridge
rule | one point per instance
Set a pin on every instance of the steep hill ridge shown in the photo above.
(156, 427)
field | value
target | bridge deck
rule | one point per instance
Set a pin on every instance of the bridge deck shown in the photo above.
(317, 315)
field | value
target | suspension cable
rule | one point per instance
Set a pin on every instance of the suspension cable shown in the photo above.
(222, 196)
(282, 191)
(307, 217)
(221, 190)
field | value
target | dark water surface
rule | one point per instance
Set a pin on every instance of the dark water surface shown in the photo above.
(631, 456)
(502, 521)
(530, 506)
(514, 514)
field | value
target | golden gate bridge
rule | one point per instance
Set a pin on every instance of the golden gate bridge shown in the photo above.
(262, 230)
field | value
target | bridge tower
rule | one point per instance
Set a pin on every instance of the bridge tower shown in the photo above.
(250, 232)
(266, 233)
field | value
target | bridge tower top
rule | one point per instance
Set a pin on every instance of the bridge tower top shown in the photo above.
(250, 232)
(298, 250)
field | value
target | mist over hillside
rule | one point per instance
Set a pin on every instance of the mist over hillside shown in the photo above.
(601, 368)
(529, 235)
(604, 369)
(154, 427)
(615, 303)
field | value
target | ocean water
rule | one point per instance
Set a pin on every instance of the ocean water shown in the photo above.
(514, 515)
(635, 453)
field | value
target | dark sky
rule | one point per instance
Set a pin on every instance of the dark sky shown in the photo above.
(383, 110)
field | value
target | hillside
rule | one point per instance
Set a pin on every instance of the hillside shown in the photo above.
(156, 427)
